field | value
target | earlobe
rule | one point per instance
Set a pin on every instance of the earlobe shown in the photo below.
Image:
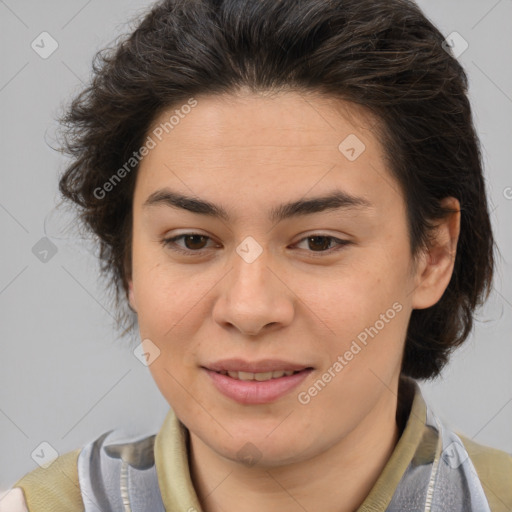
(435, 266)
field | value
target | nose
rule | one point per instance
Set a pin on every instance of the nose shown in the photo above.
(254, 298)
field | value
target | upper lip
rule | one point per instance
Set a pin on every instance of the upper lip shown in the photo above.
(262, 366)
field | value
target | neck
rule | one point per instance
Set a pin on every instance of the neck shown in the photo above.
(336, 480)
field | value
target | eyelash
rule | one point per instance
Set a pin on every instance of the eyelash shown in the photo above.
(170, 243)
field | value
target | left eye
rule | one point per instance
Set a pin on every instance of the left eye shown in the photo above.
(194, 243)
(323, 242)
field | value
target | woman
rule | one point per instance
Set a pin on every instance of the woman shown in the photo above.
(289, 197)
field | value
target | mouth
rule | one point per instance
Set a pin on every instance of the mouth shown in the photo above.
(256, 383)
(260, 377)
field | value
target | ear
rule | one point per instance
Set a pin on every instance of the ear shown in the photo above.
(434, 266)
(131, 296)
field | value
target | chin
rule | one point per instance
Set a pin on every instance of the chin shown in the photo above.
(255, 449)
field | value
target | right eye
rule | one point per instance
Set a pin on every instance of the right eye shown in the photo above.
(191, 241)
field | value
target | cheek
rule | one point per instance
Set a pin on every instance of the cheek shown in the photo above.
(357, 295)
(362, 357)
(162, 295)
(367, 309)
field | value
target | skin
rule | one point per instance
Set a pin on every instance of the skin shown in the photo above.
(297, 301)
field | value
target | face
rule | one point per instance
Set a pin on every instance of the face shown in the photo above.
(323, 289)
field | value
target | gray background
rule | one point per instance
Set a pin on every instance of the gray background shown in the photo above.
(64, 378)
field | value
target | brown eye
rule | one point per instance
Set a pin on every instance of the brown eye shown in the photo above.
(319, 242)
(193, 243)
(322, 244)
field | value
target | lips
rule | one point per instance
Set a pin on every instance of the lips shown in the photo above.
(260, 382)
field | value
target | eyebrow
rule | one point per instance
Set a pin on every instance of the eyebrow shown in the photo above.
(335, 200)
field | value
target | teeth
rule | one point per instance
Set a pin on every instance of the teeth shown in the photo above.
(258, 376)
(246, 375)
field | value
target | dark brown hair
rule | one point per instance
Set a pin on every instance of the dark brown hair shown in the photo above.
(382, 54)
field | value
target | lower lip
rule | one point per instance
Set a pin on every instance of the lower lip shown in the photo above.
(256, 392)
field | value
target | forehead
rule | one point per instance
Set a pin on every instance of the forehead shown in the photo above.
(265, 145)
(247, 119)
